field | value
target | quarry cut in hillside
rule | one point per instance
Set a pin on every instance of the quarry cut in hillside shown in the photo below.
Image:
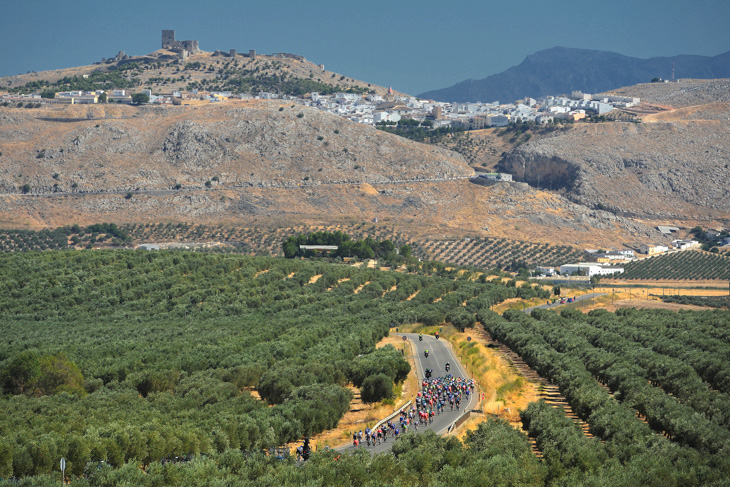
(657, 170)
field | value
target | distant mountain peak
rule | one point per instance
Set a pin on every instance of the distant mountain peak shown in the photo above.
(560, 69)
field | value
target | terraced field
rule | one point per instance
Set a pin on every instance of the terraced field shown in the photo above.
(487, 253)
(693, 264)
(499, 252)
(258, 240)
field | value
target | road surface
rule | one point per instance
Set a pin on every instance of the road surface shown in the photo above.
(439, 354)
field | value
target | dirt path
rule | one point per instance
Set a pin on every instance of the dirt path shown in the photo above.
(359, 288)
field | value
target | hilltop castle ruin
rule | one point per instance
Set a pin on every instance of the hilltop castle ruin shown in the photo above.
(183, 48)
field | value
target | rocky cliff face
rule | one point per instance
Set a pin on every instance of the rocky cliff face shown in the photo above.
(665, 170)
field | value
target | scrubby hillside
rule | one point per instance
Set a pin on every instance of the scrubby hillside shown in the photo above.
(162, 71)
(682, 93)
(256, 143)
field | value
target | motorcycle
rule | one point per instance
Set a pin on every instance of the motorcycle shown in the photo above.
(420, 338)
(447, 367)
(426, 353)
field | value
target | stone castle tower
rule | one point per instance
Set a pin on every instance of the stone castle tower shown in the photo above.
(168, 38)
(169, 42)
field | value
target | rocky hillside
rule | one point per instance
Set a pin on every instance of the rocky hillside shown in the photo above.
(562, 70)
(680, 94)
(269, 164)
(664, 170)
(236, 144)
(673, 165)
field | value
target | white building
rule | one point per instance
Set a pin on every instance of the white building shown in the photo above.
(685, 244)
(589, 269)
(386, 117)
(620, 254)
(548, 271)
(653, 249)
(498, 120)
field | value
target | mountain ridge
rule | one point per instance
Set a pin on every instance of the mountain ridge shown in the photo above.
(560, 70)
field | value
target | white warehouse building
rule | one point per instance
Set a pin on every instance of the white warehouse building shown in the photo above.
(589, 269)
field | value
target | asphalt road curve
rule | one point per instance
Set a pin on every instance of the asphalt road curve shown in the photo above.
(439, 354)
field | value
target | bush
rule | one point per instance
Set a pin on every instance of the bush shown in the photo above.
(376, 388)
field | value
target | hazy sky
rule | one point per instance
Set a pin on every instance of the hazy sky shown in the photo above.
(412, 45)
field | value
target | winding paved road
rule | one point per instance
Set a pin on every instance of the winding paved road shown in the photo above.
(439, 354)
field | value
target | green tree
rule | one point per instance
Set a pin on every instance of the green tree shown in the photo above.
(22, 373)
(376, 388)
(6, 458)
(78, 453)
(405, 251)
(290, 248)
(103, 98)
(59, 374)
(140, 98)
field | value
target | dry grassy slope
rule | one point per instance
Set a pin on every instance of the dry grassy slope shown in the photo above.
(420, 210)
(169, 68)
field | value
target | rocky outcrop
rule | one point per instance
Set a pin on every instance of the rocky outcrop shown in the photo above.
(664, 170)
(193, 146)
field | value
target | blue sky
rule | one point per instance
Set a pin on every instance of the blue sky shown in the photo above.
(415, 46)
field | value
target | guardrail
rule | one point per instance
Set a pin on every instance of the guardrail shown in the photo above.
(396, 413)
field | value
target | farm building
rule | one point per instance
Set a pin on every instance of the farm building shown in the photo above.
(589, 269)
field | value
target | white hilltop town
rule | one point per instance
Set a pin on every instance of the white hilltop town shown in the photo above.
(390, 109)
(369, 109)
(372, 109)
